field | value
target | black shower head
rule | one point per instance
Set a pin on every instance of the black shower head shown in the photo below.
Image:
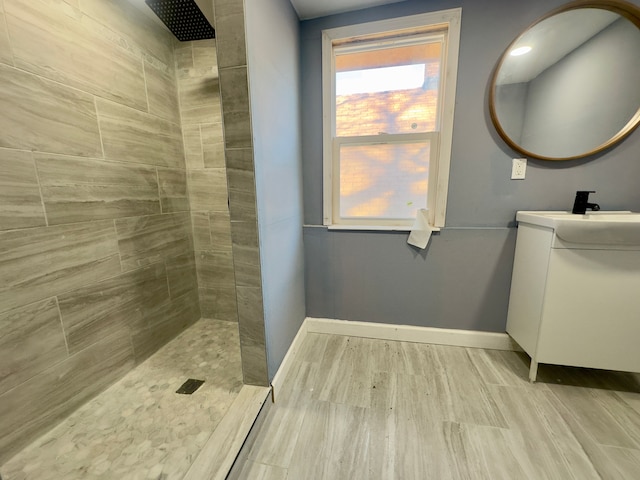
(184, 18)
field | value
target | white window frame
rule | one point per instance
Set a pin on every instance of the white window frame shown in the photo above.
(447, 20)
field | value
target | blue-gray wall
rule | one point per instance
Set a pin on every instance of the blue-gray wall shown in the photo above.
(274, 72)
(462, 280)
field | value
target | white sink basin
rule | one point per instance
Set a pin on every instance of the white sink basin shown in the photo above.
(596, 228)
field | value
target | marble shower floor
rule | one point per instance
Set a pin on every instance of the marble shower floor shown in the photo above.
(140, 428)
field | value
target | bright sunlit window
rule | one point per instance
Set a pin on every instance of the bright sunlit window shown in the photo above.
(372, 80)
(388, 91)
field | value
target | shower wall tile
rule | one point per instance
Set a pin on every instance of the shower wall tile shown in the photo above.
(238, 143)
(129, 135)
(181, 274)
(52, 260)
(139, 31)
(173, 190)
(5, 46)
(244, 234)
(252, 335)
(55, 40)
(247, 269)
(240, 159)
(246, 253)
(220, 230)
(77, 190)
(237, 129)
(243, 205)
(204, 54)
(212, 145)
(162, 324)
(219, 303)
(196, 64)
(198, 84)
(193, 147)
(31, 341)
(201, 231)
(183, 52)
(234, 91)
(36, 405)
(61, 170)
(114, 266)
(146, 240)
(215, 269)
(242, 194)
(199, 90)
(208, 190)
(46, 116)
(83, 203)
(111, 306)
(230, 36)
(162, 91)
(254, 361)
(20, 202)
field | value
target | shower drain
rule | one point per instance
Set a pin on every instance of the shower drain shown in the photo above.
(188, 387)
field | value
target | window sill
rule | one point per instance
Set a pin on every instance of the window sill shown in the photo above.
(381, 228)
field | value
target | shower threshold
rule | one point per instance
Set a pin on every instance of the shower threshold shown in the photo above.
(140, 428)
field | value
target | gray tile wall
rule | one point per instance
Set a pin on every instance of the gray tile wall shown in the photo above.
(238, 144)
(97, 265)
(199, 93)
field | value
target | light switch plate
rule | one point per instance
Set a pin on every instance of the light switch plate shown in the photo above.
(518, 168)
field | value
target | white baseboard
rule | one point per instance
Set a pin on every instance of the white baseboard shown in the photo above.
(409, 333)
(383, 331)
(289, 358)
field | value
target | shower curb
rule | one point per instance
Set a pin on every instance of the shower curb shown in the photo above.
(225, 443)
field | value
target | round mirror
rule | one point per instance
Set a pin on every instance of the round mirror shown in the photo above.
(569, 86)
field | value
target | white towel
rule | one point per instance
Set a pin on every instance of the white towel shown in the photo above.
(421, 230)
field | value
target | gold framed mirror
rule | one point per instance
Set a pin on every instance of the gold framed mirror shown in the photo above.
(569, 86)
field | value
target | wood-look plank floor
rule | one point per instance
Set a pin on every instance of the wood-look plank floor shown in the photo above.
(353, 408)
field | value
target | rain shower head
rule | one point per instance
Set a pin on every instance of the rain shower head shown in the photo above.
(184, 18)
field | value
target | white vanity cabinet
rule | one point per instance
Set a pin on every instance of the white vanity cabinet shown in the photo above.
(574, 303)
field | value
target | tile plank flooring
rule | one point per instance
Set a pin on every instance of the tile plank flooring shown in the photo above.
(354, 408)
(139, 428)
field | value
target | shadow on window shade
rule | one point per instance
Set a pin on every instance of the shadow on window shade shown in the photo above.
(383, 180)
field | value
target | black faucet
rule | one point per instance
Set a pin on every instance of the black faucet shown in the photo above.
(581, 203)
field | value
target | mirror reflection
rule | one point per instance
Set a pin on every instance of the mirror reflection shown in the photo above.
(570, 85)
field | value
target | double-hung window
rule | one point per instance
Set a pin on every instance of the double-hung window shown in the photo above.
(388, 100)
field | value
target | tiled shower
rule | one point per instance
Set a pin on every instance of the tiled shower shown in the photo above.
(115, 230)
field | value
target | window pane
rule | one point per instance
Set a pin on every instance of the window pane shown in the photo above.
(374, 80)
(387, 181)
(389, 90)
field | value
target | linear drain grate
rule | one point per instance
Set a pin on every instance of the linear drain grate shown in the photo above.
(190, 386)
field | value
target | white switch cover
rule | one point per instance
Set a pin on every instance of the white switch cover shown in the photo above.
(518, 168)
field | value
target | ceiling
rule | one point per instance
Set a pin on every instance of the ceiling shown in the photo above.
(307, 9)
(551, 40)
